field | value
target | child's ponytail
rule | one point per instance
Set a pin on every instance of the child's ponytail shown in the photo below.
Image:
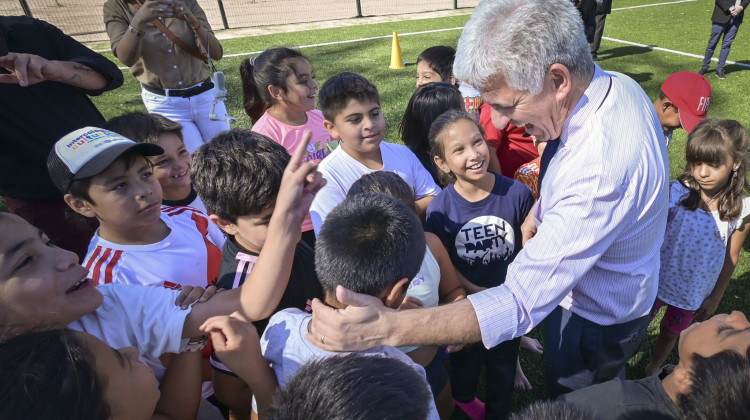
(270, 68)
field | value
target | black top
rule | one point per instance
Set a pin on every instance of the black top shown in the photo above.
(303, 284)
(185, 201)
(721, 11)
(640, 399)
(33, 118)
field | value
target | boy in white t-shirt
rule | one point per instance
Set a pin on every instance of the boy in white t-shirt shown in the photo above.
(136, 242)
(351, 106)
(360, 228)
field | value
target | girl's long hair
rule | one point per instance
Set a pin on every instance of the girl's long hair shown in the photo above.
(709, 142)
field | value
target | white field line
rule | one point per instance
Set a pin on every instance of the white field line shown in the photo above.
(350, 41)
(651, 47)
(655, 4)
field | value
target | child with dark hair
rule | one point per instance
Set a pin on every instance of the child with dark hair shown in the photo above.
(239, 174)
(353, 387)
(710, 381)
(172, 168)
(370, 243)
(478, 218)
(427, 102)
(435, 64)
(281, 82)
(107, 176)
(351, 106)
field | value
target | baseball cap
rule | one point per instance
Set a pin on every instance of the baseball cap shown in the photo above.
(88, 151)
(691, 94)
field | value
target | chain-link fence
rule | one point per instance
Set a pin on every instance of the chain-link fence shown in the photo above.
(82, 19)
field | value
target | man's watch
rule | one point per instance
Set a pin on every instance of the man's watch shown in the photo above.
(135, 32)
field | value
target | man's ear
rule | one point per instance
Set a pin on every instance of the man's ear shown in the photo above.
(666, 104)
(331, 129)
(225, 225)
(79, 205)
(561, 80)
(397, 292)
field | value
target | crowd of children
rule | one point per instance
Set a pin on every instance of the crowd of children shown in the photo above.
(309, 200)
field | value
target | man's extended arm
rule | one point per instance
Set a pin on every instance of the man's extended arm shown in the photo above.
(30, 69)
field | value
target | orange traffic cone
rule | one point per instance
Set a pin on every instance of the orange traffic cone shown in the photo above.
(397, 60)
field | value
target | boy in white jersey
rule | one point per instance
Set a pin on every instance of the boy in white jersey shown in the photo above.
(105, 175)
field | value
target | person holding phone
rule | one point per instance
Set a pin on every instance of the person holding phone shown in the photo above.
(168, 45)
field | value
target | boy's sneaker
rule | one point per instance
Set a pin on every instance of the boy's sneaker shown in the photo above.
(720, 74)
(703, 71)
(474, 408)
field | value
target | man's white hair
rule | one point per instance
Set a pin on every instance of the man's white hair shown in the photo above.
(518, 40)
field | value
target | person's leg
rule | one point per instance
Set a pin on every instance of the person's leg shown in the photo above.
(465, 369)
(437, 378)
(51, 216)
(500, 374)
(730, 32)
(583, 353)
(201, 110)
(713, 40)
(178, 110)
(601, 18)
(675, 321)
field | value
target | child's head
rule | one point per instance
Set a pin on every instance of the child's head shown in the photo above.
(353, 386)
(683, 101)
(714, 367)
(279, 76)
(557, 410)
(435, 64)
(105, 175)
(371, 244)
(172, 168)
(458, 147)
(388, 183)
(351, 106)
(716, 156)
(238, 176)
(41, 285)
(426, 104)
(52, 372)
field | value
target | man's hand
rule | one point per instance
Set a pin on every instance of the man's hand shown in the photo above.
(28, 69)
(360, 326)
(528, 227)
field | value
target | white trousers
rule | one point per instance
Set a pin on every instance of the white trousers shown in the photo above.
(192, 113)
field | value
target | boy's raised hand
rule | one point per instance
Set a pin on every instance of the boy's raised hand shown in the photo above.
(300, 183)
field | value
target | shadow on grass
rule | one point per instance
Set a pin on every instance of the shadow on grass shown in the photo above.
(734, 68)
(624, 51)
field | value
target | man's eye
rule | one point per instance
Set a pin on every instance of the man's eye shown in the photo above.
(23, 263)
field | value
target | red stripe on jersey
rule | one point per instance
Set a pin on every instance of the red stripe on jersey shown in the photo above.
(213, 253)
(97, 267)
(93, 257)
(112, 264)
(174, 211)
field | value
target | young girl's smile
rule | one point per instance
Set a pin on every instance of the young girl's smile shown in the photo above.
(301, 87)
(172, 169)
(466, 153)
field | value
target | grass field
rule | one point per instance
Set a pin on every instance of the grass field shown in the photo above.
(681, 27)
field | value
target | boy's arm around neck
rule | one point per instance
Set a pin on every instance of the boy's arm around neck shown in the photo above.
(261, 292)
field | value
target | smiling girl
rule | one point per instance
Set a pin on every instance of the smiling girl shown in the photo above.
(709, 212)
(478, 218)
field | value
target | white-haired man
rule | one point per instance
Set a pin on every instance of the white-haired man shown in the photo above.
(592, 265)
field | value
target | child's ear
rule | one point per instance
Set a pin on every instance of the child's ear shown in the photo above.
(276, 92)
(79, 205)
(394, 296)
(440, 163)
(331, 129)
(225, 225)
(682, 379)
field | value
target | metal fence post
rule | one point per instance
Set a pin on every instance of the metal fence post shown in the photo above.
(223, 14)
(455, 4)
(359, 9)
(25, 8)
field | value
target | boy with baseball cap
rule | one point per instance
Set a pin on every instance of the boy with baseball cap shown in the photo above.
(683, 102)
(105, 175)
